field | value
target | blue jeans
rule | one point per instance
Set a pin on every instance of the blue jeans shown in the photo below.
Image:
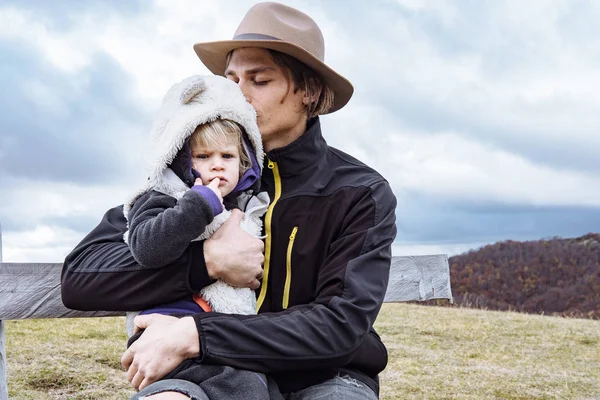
(342, 387)
(172, 385)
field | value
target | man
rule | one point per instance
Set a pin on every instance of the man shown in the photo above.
(327, 250)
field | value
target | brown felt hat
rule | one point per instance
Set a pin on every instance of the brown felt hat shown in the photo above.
(279, 27)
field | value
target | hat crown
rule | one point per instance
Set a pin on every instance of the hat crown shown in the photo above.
(280, 28)
(285, 23)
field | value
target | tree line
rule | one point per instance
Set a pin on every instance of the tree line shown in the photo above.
(548, 276)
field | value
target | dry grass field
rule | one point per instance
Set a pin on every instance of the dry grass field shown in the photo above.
(435, 353)
(458, 353)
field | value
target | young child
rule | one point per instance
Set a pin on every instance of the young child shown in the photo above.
(205, 158)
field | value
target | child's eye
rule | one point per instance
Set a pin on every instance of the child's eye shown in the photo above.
(202, 156)
(228, 156)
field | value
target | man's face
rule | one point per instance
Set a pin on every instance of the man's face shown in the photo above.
(221, 161)
(270, 90)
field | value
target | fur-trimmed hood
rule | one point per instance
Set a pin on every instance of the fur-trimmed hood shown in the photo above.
(187, 104)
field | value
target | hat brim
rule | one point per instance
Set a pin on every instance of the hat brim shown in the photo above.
(214, 56)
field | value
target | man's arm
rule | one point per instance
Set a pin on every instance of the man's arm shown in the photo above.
(101, 274)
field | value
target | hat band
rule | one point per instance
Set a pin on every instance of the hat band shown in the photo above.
(254, 36)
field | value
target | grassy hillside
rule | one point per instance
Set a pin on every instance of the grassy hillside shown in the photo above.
(548, 276)
(435, 353)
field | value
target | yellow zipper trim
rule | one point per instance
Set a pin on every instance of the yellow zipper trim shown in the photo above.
(263, 287)
(288, 274)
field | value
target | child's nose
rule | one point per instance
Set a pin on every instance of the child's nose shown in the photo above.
(217, 164)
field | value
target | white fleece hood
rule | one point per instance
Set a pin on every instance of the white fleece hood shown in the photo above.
(187, 104)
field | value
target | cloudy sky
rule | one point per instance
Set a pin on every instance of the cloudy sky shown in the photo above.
(483, 115)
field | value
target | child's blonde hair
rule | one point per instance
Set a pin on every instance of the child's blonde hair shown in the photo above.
(220, 132)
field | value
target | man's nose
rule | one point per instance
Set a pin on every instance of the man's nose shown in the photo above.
(244, 87)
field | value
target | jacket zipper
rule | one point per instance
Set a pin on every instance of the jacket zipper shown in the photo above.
(288, 270)
(263, 289)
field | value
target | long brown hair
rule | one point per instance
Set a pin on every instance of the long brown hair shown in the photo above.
(308, 80)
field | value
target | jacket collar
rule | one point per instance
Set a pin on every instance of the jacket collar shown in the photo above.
(302, 153)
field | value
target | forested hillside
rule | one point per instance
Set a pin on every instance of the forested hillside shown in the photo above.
(550, 276)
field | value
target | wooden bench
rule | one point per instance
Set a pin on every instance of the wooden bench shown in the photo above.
(29, 291)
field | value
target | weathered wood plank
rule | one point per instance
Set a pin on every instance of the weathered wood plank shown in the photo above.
(33, 291)
(419, 278)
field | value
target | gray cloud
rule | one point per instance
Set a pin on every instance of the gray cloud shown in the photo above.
(62, 15)
(64, 127)
(507, 50)
(78, 223)
(414, 111)
(424, 219)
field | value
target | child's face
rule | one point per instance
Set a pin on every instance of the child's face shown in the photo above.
(222, 161)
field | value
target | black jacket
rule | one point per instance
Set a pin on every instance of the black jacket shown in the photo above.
(329, 232)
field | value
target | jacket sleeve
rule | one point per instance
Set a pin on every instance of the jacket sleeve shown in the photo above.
(162, 227)
(101, 274)
(333, 330)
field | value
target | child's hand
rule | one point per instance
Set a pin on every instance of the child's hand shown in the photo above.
(214, 186)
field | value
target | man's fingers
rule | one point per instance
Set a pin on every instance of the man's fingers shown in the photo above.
(255, 284)
(141, 322)
(126, 360)
(236, 216)
(138, 378)
(261, 249)
(145, 383)
(145, 321)
(131, 371)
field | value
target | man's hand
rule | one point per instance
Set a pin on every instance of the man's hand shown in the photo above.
(165, 343)
(233, 255)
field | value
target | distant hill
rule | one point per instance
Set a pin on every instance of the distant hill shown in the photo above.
(550, 276)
